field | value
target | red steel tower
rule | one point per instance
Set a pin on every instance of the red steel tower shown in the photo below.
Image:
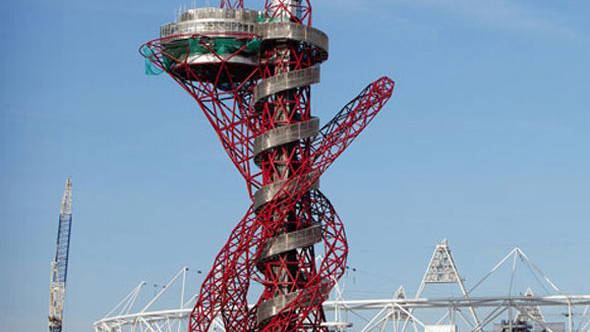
(250, 73)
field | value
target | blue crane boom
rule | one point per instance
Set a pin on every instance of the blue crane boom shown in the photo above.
(59, 265)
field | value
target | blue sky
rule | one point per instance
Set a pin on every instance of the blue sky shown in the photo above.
(485, 142)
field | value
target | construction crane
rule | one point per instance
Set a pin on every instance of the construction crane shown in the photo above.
(59, 265)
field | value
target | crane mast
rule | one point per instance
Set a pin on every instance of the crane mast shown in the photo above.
(59, 265)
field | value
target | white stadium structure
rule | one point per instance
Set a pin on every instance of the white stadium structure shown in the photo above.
(514, 310)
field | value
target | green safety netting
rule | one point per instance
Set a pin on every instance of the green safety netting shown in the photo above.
(179, 50)
(265, 19)
(253, 46)
(151, 68)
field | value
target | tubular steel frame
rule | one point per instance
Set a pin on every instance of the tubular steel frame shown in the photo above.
(285, 194)
(374, 314)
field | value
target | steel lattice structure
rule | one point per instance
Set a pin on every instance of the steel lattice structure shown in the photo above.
(59, 265)
(482, 307)
(250, 72)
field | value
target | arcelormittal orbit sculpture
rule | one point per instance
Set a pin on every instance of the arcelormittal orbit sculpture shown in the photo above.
(250, 72)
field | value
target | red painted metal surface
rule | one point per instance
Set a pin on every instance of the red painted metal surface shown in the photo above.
(224, 92)
(232, 4)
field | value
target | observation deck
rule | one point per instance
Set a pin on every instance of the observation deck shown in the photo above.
(204, 39)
